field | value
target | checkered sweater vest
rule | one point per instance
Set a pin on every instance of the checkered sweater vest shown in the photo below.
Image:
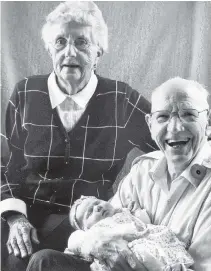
(49, 164)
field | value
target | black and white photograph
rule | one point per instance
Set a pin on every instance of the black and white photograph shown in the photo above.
(105, 136)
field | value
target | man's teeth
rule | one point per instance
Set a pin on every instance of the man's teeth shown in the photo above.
(174, 144)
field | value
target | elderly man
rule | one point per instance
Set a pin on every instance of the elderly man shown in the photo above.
(172, 185)
(69, 133)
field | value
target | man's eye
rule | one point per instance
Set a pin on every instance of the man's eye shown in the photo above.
(162, 117)
(188, 114)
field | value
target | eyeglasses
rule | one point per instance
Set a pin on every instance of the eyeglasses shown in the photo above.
(185, 115)
(79, 43)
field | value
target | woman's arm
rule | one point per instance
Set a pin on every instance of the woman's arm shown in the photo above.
(11, 183)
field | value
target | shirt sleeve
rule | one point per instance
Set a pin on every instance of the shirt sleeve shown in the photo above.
(136, 108)
(11, 183)
(200, 248)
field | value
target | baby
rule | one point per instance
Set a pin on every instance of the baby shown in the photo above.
(152, 243)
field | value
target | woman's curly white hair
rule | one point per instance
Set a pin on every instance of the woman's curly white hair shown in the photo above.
(82, 12)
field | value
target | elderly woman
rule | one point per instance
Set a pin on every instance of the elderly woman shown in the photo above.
(172, 185)
(69, 133)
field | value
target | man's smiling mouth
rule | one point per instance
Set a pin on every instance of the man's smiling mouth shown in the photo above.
(177, 143)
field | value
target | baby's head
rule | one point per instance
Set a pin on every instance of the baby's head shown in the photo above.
(88, 210)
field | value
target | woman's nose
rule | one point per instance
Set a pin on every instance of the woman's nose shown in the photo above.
(175, 125)
(70, 50)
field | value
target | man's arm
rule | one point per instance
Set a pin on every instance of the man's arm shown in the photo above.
(126, 193)
(200, 247)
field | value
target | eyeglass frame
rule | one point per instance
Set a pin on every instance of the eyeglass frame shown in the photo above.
(171, 114)
(72, 43)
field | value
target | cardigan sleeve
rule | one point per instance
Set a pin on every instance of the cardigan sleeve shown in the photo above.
(135, 109)
(11, 183)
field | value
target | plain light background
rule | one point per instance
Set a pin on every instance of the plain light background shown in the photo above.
(149, 42)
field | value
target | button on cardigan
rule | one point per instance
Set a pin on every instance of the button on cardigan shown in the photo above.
(44, 157)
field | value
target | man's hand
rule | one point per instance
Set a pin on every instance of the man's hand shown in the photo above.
(21, 236)
(118, 257)
(111, 249)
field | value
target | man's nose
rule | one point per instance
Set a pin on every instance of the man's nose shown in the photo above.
(175, 125)
(70, 50)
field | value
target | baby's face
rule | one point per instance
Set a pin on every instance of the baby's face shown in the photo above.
(90, 211)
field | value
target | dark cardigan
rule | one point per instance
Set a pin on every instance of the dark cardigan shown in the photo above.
(47, 163)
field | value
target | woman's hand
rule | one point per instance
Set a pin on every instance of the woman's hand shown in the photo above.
(21, 235)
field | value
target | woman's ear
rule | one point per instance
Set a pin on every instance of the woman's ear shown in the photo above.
(99, 54)
(49, 51)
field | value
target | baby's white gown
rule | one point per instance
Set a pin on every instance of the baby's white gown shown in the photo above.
(156, 246)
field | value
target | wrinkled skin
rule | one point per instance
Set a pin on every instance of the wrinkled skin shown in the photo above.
(21, 236)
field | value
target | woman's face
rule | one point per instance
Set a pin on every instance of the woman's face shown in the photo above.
(90, 211)
(74, 53)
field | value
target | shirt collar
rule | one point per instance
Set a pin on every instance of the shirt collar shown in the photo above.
(158, 172)
(81, 98)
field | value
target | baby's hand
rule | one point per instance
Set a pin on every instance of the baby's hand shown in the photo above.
(75, 242)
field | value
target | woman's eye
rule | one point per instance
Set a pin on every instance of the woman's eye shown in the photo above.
(61, 41)
(80, 42)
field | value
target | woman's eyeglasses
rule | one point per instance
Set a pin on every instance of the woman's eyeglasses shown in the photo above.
(79, 43)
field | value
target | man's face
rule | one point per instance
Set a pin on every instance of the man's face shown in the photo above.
(73, 52)
(179, 140)
(90, 211)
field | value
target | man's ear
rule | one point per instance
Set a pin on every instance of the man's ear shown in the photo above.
(148, 121)
(208, 127)
(99, 52)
